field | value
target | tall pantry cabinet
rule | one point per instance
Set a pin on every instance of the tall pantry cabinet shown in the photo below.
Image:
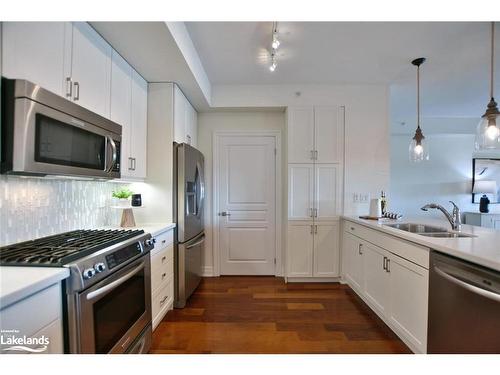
(315, 175)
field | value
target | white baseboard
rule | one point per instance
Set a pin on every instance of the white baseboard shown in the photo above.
(313, 279)
(207, 271)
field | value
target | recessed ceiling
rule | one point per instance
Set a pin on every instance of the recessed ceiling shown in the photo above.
(454, 81)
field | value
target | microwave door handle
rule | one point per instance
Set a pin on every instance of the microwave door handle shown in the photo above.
(113, 153)
(107, 288)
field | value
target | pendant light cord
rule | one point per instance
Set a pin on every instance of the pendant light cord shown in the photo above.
(492, 83)
(418, 96)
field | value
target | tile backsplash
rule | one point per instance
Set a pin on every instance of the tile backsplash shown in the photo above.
(35, 207)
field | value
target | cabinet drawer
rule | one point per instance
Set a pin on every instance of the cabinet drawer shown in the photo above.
(162, 299)
(33, 313)
(161, 273)
(162, 257)
(163, 240)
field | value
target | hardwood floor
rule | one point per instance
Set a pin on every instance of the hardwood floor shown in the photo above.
(235, 314)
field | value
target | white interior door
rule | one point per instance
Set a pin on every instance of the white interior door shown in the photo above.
(247, 205)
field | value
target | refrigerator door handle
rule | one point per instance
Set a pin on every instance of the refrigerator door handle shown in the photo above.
(196, 243)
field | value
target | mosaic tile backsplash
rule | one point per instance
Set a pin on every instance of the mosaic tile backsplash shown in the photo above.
(36, 207)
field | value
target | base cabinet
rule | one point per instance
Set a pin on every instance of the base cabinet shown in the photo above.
(395, 288)
(313, 250)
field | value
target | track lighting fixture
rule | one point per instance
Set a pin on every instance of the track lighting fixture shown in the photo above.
(275, 43)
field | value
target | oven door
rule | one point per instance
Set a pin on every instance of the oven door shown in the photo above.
(114, 312)
(48, 141)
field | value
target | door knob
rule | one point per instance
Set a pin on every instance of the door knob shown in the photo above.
(224, 213)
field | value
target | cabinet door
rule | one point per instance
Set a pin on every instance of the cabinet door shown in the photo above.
(300, 134)
(409, 288)
(121, 103)
(352, 261)
(36, 51)
(300, 191)
(326, 250)
(326, 192)
(138, 143)
(328, 134)
(376, 278)
(179, 116)
(91, 69)
(300, 250)
(191, 125)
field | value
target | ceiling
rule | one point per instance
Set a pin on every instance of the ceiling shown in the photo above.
(454, 79)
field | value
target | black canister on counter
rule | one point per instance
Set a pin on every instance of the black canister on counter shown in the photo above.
(136, 200)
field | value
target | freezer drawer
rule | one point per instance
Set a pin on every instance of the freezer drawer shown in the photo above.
(188, 268)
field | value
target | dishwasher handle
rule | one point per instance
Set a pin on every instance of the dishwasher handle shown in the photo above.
(471, 288)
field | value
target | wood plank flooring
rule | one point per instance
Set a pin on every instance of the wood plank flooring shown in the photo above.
(234, 314)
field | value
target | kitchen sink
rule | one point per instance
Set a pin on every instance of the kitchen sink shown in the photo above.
(417, 228)
(428, 230)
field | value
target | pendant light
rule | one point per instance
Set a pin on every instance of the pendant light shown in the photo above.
(488, 132)
(418, 150)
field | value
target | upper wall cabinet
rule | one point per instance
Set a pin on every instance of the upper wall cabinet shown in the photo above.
(36, 51)
(185, 120)
(315, 134)
(91, 69)
(139, 122)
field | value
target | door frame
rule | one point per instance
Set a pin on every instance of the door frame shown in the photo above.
(216, 136)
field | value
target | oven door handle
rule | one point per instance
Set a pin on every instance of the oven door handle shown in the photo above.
(105, 289)
(471, 288)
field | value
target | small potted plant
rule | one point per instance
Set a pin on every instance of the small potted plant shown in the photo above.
(122, 195)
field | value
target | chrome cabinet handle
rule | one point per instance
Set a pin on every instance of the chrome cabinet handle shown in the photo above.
(311, 229)
(385, 264)
(129, 163)
(315, 154)
(163, 259)
(360, 251)
(134, 161)
(114, 284)
(224, 213)
(163, 275)
(312, 155)
(77, 92)
(69, 87)
(315, 229)
(163, 300)
(472, 288)
(315, 212)
(388, 265)
(311, 212)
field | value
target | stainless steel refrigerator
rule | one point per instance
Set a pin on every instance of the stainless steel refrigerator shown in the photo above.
(189, 196)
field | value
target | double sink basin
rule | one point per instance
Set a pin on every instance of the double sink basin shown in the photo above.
(427, 230)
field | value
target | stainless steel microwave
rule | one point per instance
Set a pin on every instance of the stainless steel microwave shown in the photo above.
(45, 134)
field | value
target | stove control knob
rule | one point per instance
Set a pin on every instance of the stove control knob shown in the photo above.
(149, 242)
(99, 267)
(88, 273)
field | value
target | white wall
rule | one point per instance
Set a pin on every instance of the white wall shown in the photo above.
(210, 122)
(446, 176)
(367, 147)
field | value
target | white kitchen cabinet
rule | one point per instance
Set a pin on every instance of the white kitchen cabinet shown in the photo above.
(300, 134)
(326, 250)
(313, 250)
(395, 288)
(38, 315)
(376, 278)
(300, 250)
(139, 125)
(326, 192)
(91, 69)
(409, 284)
(185, 119)
(352, 261)
(36, 51)
(315, 134)
(300, 191)
(162, 275)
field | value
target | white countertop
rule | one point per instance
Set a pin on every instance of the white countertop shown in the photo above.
(483, 249)
(17, 283)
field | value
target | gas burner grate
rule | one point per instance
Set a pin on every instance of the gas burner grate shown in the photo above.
(63, 248)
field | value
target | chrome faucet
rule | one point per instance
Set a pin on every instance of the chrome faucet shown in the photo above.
(454, 218)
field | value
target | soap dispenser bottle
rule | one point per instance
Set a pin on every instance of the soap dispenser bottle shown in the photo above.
(383, 202)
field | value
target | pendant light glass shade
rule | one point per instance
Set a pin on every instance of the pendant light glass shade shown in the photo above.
(418, 150)
(488, 129)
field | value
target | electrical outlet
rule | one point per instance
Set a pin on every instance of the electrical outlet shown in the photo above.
(355, 198)
(364, 198)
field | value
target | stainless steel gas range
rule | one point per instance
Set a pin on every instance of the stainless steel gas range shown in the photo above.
(107, 301)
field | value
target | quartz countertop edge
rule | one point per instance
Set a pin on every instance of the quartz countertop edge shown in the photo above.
(17, 283)
(484, 249)
(152, 228)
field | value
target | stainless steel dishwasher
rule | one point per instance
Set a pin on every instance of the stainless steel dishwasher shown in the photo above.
(464, 307)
